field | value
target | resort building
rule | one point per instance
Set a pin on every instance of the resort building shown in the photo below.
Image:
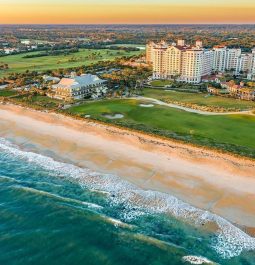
(149, 48)
(191, 63)
(78, 87)
(219, 58)
(180, 61)
(251, 71)
(233, 59)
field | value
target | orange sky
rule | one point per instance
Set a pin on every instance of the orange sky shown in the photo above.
(140, 11)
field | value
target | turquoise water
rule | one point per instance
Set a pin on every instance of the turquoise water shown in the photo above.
(56, 213)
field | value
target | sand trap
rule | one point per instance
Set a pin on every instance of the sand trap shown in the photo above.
(113, 116)
(146, 105)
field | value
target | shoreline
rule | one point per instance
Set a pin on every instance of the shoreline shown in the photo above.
(218, 182)
(139, 131)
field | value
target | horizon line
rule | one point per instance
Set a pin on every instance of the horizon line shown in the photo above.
(80, 24)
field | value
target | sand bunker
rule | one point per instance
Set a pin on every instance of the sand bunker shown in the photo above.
(146, 105)
(113, 116)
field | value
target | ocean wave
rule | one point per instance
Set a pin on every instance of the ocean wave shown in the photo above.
(8, 179)
(117, 223)
(56, 196)
(197, 260)
(229, 240)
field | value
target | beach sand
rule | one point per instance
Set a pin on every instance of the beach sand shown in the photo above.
(210, 180)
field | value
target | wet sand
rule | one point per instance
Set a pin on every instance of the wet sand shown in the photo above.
(220, 183)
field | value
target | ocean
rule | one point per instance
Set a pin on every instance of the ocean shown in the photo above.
(57, 213)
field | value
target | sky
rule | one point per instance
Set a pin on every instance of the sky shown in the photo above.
(126, 11)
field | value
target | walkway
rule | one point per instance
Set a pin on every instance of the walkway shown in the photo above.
(159, 102)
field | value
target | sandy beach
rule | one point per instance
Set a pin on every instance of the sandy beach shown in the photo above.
(220, 183)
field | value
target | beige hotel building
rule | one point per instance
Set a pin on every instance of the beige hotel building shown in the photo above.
(191, 63)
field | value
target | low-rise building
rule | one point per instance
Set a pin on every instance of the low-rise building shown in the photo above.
(247, 94)
(10, 50)
(213, 90)
(78, 87)
(239, 91)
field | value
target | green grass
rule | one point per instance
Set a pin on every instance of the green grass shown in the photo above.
(38, 101)
(202, 99)
(18, 64)
(7, 93)
(161, 82)
(128, 45)
(234, 133)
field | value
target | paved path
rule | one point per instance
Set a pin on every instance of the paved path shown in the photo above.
(159, 102)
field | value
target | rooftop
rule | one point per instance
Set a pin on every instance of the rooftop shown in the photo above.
(80, 81)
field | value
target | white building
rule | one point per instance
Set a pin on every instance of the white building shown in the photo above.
(220, 58)
(47, 78)
(226, 59)
(191, 63)
(244, 62)
(10, 50)
(251, 70)
(233, 59)
(208, 57)
(78, 87)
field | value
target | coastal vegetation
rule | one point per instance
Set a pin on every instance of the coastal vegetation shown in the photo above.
(224, 132)
(7, 93)
(37, 101)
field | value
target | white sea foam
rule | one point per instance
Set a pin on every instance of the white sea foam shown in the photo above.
(197, 260)
(117, 223)
(230, 241)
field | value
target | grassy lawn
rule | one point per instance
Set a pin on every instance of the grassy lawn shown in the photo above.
(142, 46)
(7, 93)
(19, 64)
(161, 82)
(234, 133)
(201, 99)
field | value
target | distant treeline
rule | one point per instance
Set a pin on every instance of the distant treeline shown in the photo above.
(52, 53)
(101, 46)
(133, 49)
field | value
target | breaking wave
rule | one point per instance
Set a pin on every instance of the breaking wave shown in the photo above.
(229, 240)
(197, 260)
